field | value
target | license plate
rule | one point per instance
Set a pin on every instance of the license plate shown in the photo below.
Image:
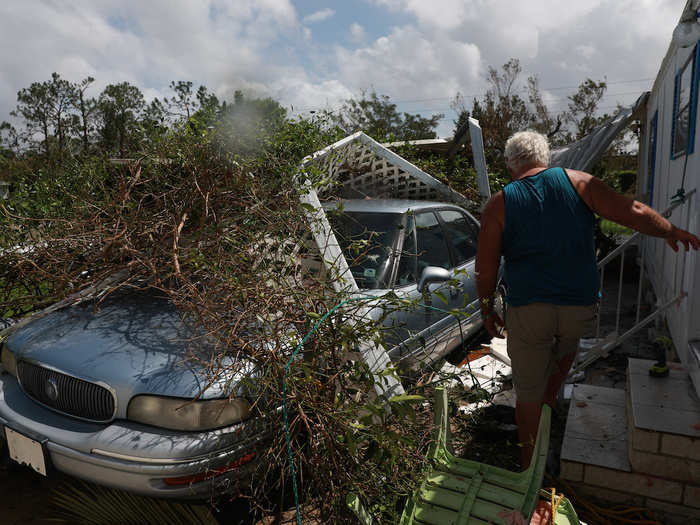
(26, 451)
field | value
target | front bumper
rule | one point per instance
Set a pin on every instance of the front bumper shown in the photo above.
(136, 457)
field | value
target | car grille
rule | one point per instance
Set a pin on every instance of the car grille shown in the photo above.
(65, 393)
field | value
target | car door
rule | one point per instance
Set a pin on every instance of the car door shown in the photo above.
(463, 233)
(420, 322)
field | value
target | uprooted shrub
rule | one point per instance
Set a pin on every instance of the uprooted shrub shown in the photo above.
(223, 236)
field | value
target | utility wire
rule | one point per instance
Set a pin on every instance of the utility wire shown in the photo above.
(472, 95)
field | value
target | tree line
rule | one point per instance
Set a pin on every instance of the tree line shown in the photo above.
(58, 119)
(509, 105)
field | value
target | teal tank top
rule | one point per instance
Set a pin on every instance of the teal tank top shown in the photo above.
(548, 242)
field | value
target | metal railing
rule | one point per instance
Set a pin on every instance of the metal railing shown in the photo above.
(603, 346)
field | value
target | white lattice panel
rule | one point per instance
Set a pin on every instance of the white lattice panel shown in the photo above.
(359, 167)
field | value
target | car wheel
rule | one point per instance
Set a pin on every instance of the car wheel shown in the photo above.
(499, 301)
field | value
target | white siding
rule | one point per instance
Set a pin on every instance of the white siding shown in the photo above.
(672, 272)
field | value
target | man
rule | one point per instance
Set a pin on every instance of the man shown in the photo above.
(542, 223)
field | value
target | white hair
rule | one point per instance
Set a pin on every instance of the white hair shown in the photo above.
(526, 148)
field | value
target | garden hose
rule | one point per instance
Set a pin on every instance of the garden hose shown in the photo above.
(314, 328)
(603, 516)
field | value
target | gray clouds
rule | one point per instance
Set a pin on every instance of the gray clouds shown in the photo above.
(423, 50)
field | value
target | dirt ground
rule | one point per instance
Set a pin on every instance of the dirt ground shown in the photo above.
(24, 494)
(26, 499)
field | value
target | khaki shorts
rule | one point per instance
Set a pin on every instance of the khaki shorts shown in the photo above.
(540, 337)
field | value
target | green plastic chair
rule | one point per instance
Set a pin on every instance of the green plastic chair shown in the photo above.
(462, 492)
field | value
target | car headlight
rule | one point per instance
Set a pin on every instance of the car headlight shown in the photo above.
(9, 361)
(185, 414)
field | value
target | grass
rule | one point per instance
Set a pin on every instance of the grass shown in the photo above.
(612, 228)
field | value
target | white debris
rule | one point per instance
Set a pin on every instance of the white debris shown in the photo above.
(499, 351)
(487, 372)
(505, 398)
(568, 390)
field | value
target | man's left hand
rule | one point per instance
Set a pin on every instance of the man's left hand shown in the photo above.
(494, 324)
(686, 238)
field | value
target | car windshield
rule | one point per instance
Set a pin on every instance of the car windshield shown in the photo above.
(367, 240)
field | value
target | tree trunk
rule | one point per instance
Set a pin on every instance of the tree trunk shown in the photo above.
(61, 140)
(122, 137)
(83, 116)
(45, 129)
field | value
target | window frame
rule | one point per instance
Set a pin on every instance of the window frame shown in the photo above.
(445, 232)
(392, 259)
(450, 243)
(689, 147)
(445, 235)
(651, 156)
(408, 219)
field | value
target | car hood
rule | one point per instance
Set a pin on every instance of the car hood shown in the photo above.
(136, 343)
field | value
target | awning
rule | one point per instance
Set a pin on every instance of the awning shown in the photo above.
(584, 153)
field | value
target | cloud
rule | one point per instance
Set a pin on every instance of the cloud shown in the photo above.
(357, 32)
(216, 43)
(425, 51)
(585, 51)
(319, 16)
(314, 96)
(442, 14)
(406, 64)
(620, 41)
(562, 43)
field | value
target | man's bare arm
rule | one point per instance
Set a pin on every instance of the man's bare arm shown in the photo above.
(488, 259)
(610, 204)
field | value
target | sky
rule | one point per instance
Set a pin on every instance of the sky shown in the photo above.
(312, 55)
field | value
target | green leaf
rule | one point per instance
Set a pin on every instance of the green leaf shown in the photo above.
(308, 207)
(407, 397)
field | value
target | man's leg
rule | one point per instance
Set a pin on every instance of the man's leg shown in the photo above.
(531, 331)
(527, 415)
(561, 371)
(573, 322)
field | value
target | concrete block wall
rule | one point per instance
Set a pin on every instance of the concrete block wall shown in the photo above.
(665, 455)
(664, 476)
(678, 501)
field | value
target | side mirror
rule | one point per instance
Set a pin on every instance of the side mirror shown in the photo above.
(433, 274)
